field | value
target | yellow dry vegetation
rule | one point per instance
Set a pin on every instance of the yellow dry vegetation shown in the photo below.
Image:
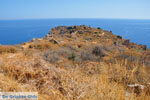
(96, 81)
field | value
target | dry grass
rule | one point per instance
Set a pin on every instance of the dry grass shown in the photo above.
(88, 81)
(40, 46)
(7, 49)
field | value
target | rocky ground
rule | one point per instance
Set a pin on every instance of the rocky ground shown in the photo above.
(77, 63)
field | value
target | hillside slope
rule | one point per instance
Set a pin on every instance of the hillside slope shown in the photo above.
(77, 63)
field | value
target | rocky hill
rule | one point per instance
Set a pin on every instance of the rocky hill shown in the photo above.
(77, 63)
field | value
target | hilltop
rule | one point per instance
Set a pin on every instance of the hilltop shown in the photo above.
(77, 63)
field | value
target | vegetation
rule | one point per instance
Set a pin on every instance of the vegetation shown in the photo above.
(40, 46)
(72, 57)
(75, 69)
(97, 51)
(98, 28)
(89, 81)
(51, 56)
(96, 32)
(7, 49)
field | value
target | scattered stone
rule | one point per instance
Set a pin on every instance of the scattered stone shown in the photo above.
(100, 35)
(62, 32)
(137, 87)
(11, 56)
(115, 43)
(126, 42)
(30, 46)
(83, 27)
(88, 39)
(119, 37)
(24, 43)
(62, 91)
(35, 40)
(132, 46)
(79, 46)
(94, 42)
(88, 31)
(69, 28)
(62, 41)
(60, 27)
(80, 32)
(72, 31)
(53, 41)
(144, 47)
(74, 27)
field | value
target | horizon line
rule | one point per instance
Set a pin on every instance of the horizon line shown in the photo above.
(75, 18)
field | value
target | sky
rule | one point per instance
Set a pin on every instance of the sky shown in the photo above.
(45, 9)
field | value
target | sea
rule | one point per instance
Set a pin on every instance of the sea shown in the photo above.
(14, 32)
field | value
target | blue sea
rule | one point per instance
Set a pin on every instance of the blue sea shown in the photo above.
(19, 31)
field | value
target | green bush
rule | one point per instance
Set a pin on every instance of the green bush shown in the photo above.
(72, 57)
(96, 32)
(98, 28)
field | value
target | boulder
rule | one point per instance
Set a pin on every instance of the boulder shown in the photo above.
(88, 31)
(115, 43)
(71, 31)
(119, 37)
(126, 42)
(74, 27)
(80, 32)
(83, 27)
(69, 28)
(62, 32)
(88, 39)
(53, 41)
(143, 47)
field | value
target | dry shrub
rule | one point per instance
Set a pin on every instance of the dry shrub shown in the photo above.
(40, 46)
(98, 51)
(120, 74)
(145, 58)
(129, 57)
(28, 52)
(32, 71)
(88, 56)
(104, 90)
(92, 53)
(105, 81)
(90, 68)
(7, 49)
(45, 79)
(7, 84)
(51, 56)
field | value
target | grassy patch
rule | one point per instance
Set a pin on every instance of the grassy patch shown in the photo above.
(7, 49)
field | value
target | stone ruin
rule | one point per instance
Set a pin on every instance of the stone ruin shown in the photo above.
(126, 42)
(70, 29)
(143, 47)
(119, 37)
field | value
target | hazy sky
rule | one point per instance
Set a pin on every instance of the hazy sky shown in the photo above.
(39, 9)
